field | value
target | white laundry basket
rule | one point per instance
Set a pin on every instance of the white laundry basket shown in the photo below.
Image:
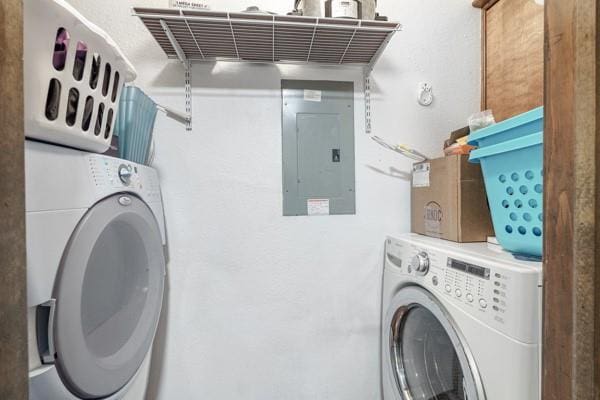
(74, 74)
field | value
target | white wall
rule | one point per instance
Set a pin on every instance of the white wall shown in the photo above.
(266, 307)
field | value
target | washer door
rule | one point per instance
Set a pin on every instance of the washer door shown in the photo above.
(108, 297)
(428, 356)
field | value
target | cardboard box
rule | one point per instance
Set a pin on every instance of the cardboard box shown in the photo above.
(449, 200)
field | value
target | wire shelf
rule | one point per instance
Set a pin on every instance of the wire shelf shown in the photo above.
(204, 36)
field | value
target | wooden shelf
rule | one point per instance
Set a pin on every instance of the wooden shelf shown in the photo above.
(485, 4)
(204, 36)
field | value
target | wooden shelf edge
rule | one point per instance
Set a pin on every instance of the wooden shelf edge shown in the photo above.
(484, 4)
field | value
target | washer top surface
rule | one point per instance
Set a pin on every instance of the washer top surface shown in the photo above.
(502, 258)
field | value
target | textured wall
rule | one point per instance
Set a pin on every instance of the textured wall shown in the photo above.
(266, 307)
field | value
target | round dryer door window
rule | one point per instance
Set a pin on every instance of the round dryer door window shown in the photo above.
(108, 297)
(429, 359)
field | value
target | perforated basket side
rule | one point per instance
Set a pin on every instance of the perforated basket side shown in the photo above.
(72, 101)
(514, 185)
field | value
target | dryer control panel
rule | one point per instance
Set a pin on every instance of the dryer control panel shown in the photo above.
(60, 178)
(110, 174)
(494, 288)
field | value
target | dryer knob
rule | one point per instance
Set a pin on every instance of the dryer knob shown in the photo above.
(125, 173)
(420, 263)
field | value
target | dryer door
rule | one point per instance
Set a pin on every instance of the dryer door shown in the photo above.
(428, 355)
(108, 297)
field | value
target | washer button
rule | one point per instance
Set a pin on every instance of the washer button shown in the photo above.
(448, 288)
(458, 293)
(483, 303)
(470, 297)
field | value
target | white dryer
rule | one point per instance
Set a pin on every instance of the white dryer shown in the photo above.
(95, 272)
(459, 321)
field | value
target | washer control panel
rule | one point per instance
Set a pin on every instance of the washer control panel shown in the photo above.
(468, 281)
(504, 294)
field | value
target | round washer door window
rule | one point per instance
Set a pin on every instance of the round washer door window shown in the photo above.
(108, 297)
(429, 359)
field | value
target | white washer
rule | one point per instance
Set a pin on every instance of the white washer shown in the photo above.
(95, 273)
(459, 321)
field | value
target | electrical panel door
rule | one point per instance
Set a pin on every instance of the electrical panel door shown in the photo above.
(318, 148)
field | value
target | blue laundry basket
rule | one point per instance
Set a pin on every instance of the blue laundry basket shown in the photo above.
(512, 128)
(135, 125)
(513, 174)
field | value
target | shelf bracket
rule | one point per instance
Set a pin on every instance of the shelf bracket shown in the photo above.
(367, 83)
(188, 95)
(187, 65)
(367, 89)
(178, 50)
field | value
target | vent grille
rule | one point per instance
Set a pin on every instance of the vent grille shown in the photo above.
(214, 36)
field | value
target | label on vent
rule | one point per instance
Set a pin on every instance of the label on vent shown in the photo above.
(190, 4)
(317, 206)
(344, 9)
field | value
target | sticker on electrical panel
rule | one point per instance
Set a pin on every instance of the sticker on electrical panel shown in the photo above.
(421, 175)
(317, 206)
(313, 95)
